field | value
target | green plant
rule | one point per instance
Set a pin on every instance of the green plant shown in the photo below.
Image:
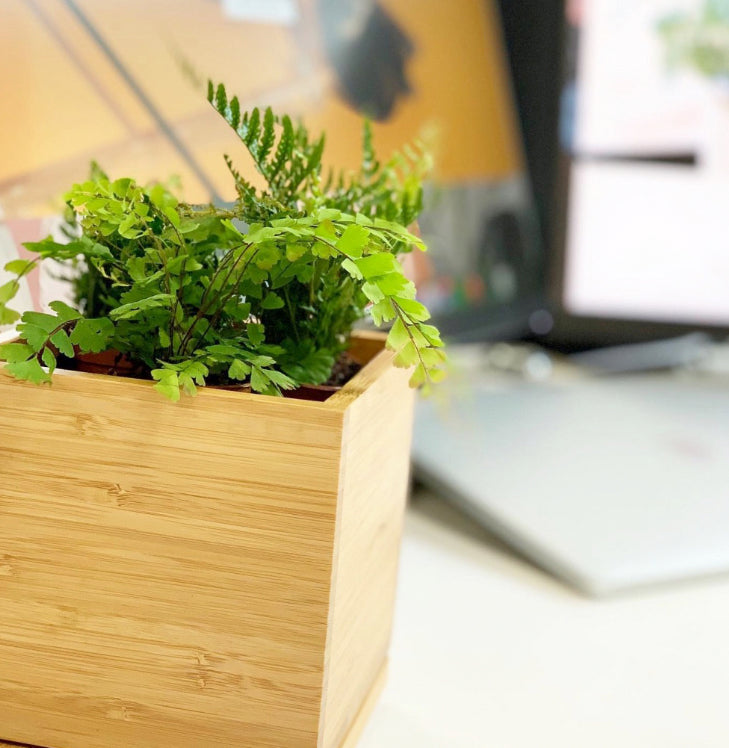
(265, 292)
(698, 40)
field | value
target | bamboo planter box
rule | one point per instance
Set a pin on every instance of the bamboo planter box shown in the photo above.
(218, 572)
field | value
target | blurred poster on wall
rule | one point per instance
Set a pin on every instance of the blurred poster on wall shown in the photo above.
(114, 81)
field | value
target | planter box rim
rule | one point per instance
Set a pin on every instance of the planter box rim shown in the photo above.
(339, 401)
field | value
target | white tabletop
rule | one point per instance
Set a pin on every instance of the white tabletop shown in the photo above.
(490, 652)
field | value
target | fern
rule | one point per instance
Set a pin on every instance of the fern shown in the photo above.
(289, 168)
(264, 292)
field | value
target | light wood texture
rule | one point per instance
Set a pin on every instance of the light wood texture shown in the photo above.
(369, 525)
(179, 575)
(368, 705)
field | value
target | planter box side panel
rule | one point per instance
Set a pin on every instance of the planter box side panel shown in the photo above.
(373, 491)
(165, 569)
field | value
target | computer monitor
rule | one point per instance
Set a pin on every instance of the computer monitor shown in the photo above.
(641, 249)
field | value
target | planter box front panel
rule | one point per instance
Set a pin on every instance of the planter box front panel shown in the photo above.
(164, 569)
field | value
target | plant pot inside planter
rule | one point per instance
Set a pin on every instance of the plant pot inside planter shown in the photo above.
(217, 572)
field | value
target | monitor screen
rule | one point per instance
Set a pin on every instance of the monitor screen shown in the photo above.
(645, 120)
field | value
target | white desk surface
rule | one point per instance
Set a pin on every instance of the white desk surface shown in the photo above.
(490, 652)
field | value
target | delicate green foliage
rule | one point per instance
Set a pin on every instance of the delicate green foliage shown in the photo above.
(8, 291)
(31, 370)
(93, 335)
(265, 293)
(14, 353)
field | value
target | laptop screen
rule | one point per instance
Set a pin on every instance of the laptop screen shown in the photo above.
(645, 119)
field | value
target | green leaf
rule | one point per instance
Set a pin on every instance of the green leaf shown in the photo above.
(382, 311)
(172, 216)
(168, 383)
(281, 380)
(295, 251)
(30, 370)
(418, 377)
(322, 250)
(35, 336)
(352, 269)
(137, 268)
(259, 381)
(309, 365)
(395, 284)
(121, 187)
(272, 301)
(128, 227)
(372, 292)
(221, 98)
(64, 312)
(378, 264)
(234, 117)
(49, 360)
(255, 333)
(327, 214)
(8, 290)
(326, 230)
(14, 352)
(239, 370)
(93, 335)
(431, 334)
(354, 239)
(164, 338)
(413, 309)
(195, 370)
(20, 267)
(62, 342)
(432, 357)
(398, 336)
(134, 308)
(407, 356)
(267, 255)
(45, 322)
(8, 316)
(267, 136)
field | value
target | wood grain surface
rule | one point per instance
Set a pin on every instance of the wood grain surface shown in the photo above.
(373, 487)
(169, 573)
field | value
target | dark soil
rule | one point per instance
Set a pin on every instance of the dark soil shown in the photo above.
(344, 369)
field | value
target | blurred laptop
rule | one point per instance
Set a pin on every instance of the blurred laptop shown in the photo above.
(616, 482)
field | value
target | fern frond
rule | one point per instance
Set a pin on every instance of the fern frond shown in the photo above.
(315, 153)
(221, 100)
(253, 129)
(234, 119)
(268, 136)
(285, 148)
(370, 164)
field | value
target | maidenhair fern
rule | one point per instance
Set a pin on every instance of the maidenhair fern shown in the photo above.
(265, 292)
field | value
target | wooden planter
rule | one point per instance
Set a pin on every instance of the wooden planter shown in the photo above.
(217, 572)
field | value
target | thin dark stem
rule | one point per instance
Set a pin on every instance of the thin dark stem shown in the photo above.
(39, 354)
(204, 308)
(292, 316)
(234, 293)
